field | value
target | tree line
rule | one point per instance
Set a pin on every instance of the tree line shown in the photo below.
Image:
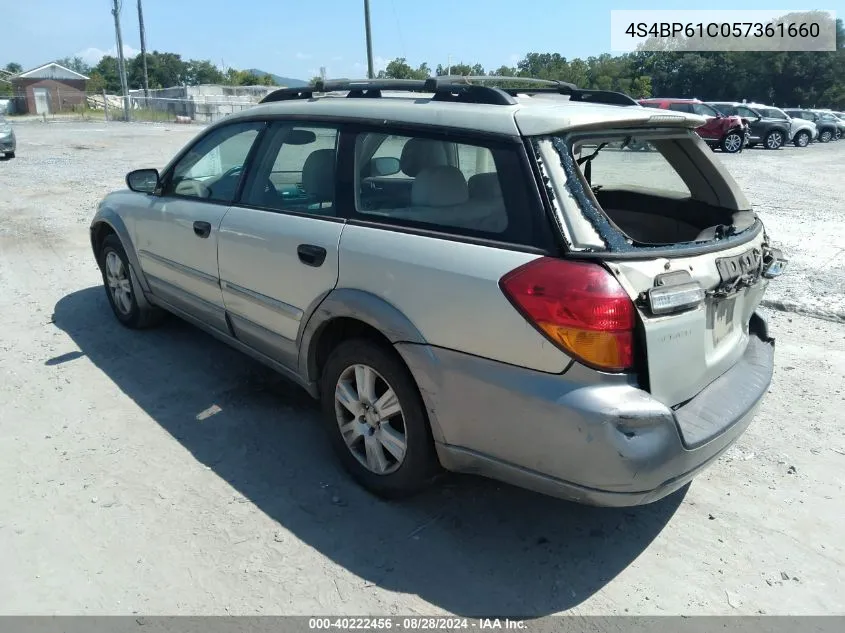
(779, 78)
(782, 78)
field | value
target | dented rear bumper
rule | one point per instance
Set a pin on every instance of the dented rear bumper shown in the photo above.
(585, 436)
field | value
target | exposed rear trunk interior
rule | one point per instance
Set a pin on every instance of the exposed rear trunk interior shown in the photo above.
(652, 219)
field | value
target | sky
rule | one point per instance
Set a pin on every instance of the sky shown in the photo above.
(295, 39)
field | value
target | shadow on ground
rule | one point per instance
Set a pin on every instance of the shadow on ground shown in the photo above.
(469, 546)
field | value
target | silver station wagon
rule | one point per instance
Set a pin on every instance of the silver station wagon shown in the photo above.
(470, 278)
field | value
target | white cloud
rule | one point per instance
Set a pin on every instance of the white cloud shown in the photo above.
(337, 58)
(303, 56)
(93, 55)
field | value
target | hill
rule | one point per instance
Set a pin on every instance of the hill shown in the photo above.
(278, 79)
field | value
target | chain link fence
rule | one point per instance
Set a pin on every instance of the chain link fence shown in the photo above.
(56, 104)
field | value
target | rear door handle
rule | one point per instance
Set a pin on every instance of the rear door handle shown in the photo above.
(202, 229)
(311, 255)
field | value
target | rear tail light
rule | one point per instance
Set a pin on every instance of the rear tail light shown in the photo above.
(578, 306)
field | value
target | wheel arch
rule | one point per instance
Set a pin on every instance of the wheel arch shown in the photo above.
(108, 222)
(346, 312)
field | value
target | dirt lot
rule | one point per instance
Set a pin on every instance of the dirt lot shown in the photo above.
(120, 495)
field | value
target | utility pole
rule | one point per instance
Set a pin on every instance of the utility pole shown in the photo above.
(144, 52)
(370, 73)
(121, 62)
(449, 67)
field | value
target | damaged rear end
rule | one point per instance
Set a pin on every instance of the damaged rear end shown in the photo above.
(673, 228)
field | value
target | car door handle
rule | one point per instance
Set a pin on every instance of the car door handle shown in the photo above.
(202, 229)
(311, 255)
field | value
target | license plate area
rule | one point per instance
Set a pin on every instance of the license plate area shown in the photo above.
(732, 268)
(721, 316)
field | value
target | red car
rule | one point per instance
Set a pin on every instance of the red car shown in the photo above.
(726, 132)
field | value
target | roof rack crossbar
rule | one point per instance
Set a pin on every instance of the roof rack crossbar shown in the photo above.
(607, 97)
(444, 89)
(456, 88)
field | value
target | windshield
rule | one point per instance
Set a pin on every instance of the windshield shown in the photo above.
(705, 110)
(725, 108)
(771, 113)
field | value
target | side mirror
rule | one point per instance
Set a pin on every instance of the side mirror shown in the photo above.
(143, 180)
(384, 166)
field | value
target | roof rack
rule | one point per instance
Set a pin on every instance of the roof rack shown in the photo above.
(462, 89)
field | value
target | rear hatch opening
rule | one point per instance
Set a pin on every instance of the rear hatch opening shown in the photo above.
(644, 188)
(658, 211)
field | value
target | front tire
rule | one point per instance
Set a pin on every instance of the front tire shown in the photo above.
(120, 289)
(774, 139)
(376, 419)
(732, 142)
(10, 154)
(802, 139)
(825, 136)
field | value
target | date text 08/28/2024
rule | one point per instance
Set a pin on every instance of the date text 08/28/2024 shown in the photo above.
(414, 624)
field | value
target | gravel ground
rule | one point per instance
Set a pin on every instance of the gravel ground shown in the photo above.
(122, 495)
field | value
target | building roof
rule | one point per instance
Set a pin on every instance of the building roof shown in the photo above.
(529, 116)
(50, 71)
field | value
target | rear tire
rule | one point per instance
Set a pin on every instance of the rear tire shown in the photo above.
(802, 139)
(120, 288)
(825, 136)
(10, 154)
(376, 419)
(732, 142)
(774, 139)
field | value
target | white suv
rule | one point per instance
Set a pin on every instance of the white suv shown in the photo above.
(468, 277)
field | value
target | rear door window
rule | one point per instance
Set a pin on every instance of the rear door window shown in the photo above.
(473, 189)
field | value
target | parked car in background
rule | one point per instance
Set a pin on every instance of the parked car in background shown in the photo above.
(771, 132)
(827, 128)
(801, 131)
(8, 142)
(726, 132)
(830, 116)
(621, 351)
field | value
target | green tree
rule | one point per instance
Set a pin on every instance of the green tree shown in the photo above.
(460, 69)
(76, 64)
(399, 68)
(14, 68)
(199, 72)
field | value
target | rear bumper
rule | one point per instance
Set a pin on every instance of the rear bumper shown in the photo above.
(7, 145)
(584, 436)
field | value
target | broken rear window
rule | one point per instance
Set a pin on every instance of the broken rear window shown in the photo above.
(655, 189)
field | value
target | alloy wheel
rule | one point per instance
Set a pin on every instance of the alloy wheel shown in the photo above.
(774, 140)
(803, 139)
(733, 142)
(370, 419)
(120, 286)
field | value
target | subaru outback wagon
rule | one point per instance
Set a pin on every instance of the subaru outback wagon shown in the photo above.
(469, 278)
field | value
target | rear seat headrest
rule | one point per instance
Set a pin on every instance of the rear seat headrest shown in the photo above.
(485, 186)
(442, 186)
(419, 153)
